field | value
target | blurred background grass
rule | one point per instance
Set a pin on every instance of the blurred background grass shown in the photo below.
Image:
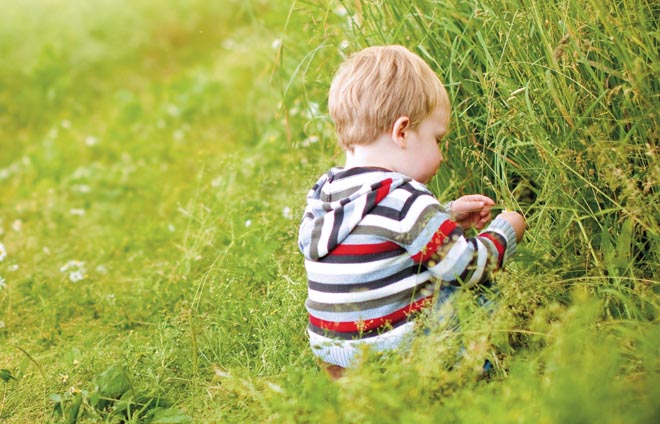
(153, 165)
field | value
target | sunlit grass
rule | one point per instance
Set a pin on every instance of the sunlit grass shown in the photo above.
(153, 165)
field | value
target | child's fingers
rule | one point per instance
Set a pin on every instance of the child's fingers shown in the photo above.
(481, 198)
(471, 198)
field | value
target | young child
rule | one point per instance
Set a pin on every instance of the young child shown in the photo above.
(377, 244)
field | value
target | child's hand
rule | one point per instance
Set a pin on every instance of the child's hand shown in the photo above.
(472, 210)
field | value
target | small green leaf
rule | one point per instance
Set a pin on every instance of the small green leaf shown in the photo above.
(6, 375)
(55, 397)
(94, 398)
(170, 416)
(74, 408)
(113, 381)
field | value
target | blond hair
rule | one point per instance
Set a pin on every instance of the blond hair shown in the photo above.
(375, 87)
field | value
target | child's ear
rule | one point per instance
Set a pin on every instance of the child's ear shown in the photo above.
(399, 131)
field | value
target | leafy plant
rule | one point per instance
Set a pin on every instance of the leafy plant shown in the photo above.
(115, 399)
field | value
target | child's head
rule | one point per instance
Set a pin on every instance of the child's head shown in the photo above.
(376, 86)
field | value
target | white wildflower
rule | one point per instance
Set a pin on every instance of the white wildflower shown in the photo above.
(310, 140)
(286, 212)
(3, 252)
(344, 44)
(77, 212)
(71, 265)
(340, 11)
(75, 269)
(3, 283)
(248, 223)
(90, 140)
(17, 225)
(276, 43)
(76, 276)
(81, 173)
(276, 388)
(173, 111)
(81, 188)
(171, 228)
(12, 268)
(313, 109)
(228, 44)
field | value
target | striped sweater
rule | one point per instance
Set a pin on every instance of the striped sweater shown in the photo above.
(375, 244)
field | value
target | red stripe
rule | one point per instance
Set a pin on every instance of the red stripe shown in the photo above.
(438, 239)
(498, 245)
(364, 249)
(360, 326)
(383, 190)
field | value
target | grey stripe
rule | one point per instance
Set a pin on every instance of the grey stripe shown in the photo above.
(394, 266)
(370, 304)
(382, 232)
(366, 310)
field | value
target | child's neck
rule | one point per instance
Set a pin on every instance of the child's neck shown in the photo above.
(375, 154)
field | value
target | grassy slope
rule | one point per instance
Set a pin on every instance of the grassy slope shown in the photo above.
(160, 125)
(150, 122)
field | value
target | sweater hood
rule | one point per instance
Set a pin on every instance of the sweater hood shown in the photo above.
(338, 202)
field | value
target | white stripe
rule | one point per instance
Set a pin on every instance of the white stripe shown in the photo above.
(356, 297)
(340, 185)
(419, 186)
(396, 199)
(447, 268)
(425, 235)
(380, 221)
(345, 352)
(482, 257)
(365, 239)
(349, 222)
(320, 271)
(355, 182)
(328, 223)
(390, 202)
(416, 209)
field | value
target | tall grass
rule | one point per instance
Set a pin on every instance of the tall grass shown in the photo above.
(555, 114)
(154, 161)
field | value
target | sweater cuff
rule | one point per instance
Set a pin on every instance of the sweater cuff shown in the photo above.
(447, 208)
(502, 227)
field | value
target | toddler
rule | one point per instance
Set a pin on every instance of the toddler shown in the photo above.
(378, 245)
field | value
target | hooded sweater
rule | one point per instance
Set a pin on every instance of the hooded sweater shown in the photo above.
(377, 246)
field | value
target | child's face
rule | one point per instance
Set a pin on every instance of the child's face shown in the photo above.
(422, 155)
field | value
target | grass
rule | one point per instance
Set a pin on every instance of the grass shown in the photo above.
(153, 166)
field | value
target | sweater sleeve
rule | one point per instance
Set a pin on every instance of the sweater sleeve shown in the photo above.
(439, 244)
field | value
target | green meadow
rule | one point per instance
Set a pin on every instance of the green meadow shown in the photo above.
(154, 160)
